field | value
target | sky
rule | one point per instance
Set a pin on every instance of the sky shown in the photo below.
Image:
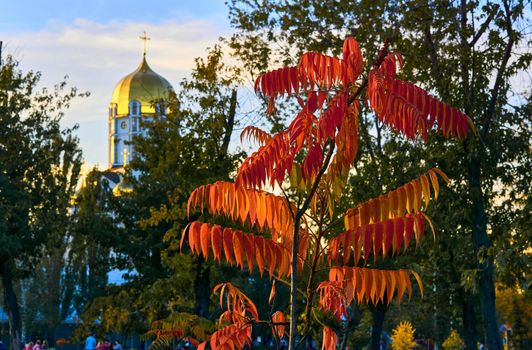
(96, 43)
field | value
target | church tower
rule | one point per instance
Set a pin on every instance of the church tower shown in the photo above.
(139, 95)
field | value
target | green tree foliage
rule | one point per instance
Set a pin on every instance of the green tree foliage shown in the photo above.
(90, 237)
(73, 271)
(467, 53)
(39, 167)
(514, 306)
(47, 295)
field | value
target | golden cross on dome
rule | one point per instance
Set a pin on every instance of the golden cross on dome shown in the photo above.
(144, 38)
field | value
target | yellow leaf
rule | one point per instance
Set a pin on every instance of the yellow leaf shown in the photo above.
(419, 282)
(426, 190)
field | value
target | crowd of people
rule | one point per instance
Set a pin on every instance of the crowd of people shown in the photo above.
(38, 345)
(92, 344)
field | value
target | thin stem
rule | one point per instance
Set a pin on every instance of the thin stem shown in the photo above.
(310, 289)
(295, 242)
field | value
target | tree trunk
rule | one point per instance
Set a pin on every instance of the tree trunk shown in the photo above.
(481, 243)
(293, 287)
(11, 306)
(469, 319)
(355, 315)
(376, 328)
(201, 287)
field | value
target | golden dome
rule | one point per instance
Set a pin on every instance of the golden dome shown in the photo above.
(144, 86)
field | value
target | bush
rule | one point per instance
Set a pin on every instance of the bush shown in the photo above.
(403, 336)
(453, 342)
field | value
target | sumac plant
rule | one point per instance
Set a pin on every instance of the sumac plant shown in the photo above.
(286, 233)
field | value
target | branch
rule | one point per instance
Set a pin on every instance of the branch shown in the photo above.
(368, 140)
(432, 52)
(484, 26)
(288, 201)
(316, 183)
(488, 116)
(286, 283)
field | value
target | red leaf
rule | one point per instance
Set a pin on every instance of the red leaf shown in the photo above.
(399, 233)
(367, 241)
(409, 229)
(378, 238)
(388, 233)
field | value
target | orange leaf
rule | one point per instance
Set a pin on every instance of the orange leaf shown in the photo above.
(391, 283)
(238, 248)
(272, 293)
(401, 286)
(183, 235)
(227, 236)
(216, 241)
(435, 186)
(426, 190)
(430, 224)
(419, 226)
(249, 248)
(329, 339)
(259, 251)
(205, 239)
(194, 237)
(417, 194)
(278, 330)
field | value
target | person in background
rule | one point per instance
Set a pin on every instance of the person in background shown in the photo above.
(2, 346)
(44, 345)
(90, 342)
(100, 346)
(37, 345)
(118, 345)
(107, 345)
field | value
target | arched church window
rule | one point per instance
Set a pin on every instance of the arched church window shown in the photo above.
(116, 151)
(112, 110)
(134, 124)
(134, 108)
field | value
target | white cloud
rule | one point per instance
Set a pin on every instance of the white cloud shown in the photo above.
(97, 55)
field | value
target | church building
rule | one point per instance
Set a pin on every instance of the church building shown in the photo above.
(140, 95)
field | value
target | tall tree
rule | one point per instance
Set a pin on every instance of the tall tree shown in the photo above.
(90, 238)
(39, 167)
(311, 160)
(466, 52)
(73, 270)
